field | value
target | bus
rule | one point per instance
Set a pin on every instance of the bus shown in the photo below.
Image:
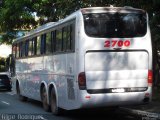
(95, 57)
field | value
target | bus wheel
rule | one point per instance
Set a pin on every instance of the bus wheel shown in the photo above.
(44, 99)
(53, 101)
(21, 98)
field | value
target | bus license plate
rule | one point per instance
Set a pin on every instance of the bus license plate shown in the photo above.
(118, 90)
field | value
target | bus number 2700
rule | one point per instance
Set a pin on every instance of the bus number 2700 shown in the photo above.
(117, 43)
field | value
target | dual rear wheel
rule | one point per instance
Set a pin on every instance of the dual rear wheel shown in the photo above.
(44, 99)
(21, 97)
(53, 107)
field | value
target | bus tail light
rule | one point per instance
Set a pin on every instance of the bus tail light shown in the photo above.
(82, 80)
(150, 77)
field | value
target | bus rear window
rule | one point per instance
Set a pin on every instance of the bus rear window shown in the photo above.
(115, 25)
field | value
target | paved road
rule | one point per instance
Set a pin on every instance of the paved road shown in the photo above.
(13, 109)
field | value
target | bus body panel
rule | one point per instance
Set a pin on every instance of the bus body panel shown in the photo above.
(21, 72)
(109, 100)
(116, 69)
(59, 69)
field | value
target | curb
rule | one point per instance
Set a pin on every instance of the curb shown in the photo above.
(143, 115)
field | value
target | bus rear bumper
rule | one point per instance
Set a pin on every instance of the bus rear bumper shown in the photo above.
(114, 99)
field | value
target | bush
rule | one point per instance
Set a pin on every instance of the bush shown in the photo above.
(2, 64)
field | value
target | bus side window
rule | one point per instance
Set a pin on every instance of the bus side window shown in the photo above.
(17, 51)
(20, 44)
(65, 38)
(48, 43)
(53, 40)
(20, 49)
(59, 40)
(14, 50)
(38, 46)
(23, 49)
(70, 37)
(30, 48)
(34, 50)
(43, 43)
(26, 48)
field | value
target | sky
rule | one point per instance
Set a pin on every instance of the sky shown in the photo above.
(5, 50)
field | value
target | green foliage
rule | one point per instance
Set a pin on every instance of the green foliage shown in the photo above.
(8, 37)
(2, 64)
(15, 14)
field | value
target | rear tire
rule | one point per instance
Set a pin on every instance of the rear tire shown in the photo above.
(53, 101)
(21, 98)
(44, 100)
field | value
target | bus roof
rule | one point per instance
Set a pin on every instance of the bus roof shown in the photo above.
(125, 9)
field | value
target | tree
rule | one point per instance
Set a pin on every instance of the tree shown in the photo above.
(2, 64)
(15, 15)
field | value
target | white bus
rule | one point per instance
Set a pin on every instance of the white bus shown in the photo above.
(95, 57)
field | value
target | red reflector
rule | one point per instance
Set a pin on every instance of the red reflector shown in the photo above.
(146, 94)
(88, 97)
(150, 77)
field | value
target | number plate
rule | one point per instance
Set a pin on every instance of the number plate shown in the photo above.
(118, 90)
